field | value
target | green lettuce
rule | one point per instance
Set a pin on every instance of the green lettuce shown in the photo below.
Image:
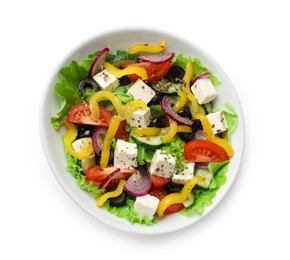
(121, 93)
(203, 197)
(198, 69)
(175, 148)
(78, 174)
(144, 154)
(66, 89)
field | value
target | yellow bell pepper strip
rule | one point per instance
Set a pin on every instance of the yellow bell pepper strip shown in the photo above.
(207, 129)
(224, 144)
(111, 194)
(186, 86)
(71, 134)
(181, 100)
(145, 47)
(107, 141)
(184, 129)
(132, 106)
(178, 197)
(149, 131)
(166, 138)
(105, 95)
(141, 72)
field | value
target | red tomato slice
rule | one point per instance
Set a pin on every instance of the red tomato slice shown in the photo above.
(121, 132)
(96, 174)
(204, 151)
(158, 181)
(80, 114)
(174, 208)
(160, 193)
(155, 71)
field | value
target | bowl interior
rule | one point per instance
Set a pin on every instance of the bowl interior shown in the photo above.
(53, 146)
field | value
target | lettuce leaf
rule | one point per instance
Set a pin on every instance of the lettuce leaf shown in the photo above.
(121, 93)
(78, 174)
(67, 88)
(204, 197)
(156, 110)
(181, 61)
(176, 149)
(145, 154)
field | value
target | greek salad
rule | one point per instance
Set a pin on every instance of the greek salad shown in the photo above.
(142, 132)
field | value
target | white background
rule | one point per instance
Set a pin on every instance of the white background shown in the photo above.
(249, 39)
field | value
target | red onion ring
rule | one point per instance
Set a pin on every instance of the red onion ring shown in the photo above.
(98, 139)
(201, 165)
(139, 183)
(199, 135)
(201, 76)
(98, 60)
(110, 177)
(157, 58)
(167, 104)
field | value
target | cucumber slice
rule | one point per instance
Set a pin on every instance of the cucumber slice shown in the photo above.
(206, 174)
(148, 140)
(207, 108)
(165, 86)
(189, 201)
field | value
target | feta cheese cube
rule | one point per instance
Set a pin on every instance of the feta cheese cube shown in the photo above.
(218, 122)
(146, 206)
(204, 91)
(141, 91)
(140, 118)
(77, 144)
(125, 155)
(162, 164)
(185, 175)
(106, 80)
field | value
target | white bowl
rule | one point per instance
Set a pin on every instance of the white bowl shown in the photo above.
(53, 146)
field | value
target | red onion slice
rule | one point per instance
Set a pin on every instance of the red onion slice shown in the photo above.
(199, 135)
(167, 104)
(139, 183)
(201, 165)
(110, 177)
(157, 58)
(201, 76)
(98, 139)
(98, 60)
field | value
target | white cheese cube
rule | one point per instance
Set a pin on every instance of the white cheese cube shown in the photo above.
(146, 206)
(125, 155)
(162, 164)
(77, 144)
(141, 91)
(185, 175)
(204, 91)
(218, 122)
(106, 80)
(140, 118)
